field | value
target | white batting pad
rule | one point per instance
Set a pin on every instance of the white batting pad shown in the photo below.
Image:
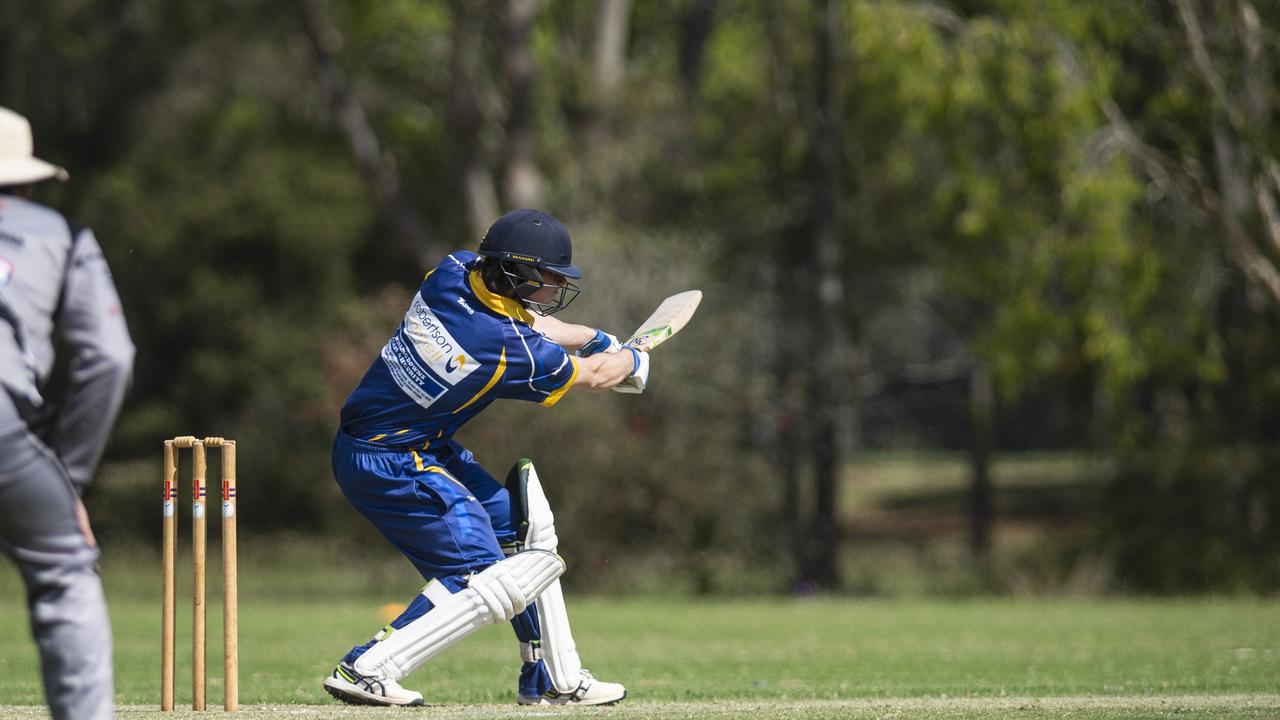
(559, 652)
(495, 595)
(541, 534)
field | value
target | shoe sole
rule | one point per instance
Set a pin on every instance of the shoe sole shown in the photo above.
(544, 701)
(351, 697)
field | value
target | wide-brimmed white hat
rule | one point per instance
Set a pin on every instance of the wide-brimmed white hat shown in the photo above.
(18, 166)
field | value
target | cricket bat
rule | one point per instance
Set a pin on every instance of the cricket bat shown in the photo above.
(672, 315)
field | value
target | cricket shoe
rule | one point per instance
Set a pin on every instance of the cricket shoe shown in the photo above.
(353, 688)
(590, 691)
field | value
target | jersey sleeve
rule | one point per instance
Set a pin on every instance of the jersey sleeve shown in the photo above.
(540, 371)
(92, 326)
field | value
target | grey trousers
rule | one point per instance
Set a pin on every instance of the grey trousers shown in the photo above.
(38, 529)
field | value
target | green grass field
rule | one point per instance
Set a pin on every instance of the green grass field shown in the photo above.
(900, 655)
(766, 658)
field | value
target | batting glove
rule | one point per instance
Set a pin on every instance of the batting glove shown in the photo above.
(602, 342)
(635, 383)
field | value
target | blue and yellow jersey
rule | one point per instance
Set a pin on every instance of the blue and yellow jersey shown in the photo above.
(459, 348)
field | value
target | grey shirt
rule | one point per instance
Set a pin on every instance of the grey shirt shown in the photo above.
(57, 295)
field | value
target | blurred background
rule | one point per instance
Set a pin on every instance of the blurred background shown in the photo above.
(992, 287)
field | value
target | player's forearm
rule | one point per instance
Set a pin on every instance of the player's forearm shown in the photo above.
(566, 335)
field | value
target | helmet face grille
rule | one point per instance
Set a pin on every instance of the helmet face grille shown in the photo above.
(526, 280)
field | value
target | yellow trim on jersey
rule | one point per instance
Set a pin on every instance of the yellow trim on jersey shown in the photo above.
(497, 303)
(442, 471)
(417, 462)
(424, 277)
(497, 374)
(554, 397)
(377, 437)
(401, 432)
(427, 445)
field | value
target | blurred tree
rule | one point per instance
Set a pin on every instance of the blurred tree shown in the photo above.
(466, 120)
(1196, 503)
(829, 378)
(523, 180)
(1035, 260)
(1156, 316)
(82, 72)
(1071, 199)
(230, 226)
(379, 168)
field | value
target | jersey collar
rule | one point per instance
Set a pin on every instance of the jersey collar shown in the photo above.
(497, 303)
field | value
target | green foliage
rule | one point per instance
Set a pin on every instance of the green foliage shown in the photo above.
(1048, 279)
(233, 243)
(1194, 503)
(988, 208)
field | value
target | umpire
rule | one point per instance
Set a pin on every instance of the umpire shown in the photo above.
(56, 293)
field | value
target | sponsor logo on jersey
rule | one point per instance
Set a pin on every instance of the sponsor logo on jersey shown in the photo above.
(408, 373)
(443, 354)
(425, 360)
(463, 302)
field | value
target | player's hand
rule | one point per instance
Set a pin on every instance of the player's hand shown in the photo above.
(639, 378)
(82, 518)
(602, 342)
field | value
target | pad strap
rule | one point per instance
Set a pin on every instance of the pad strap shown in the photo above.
(531, 651)
(436, 592)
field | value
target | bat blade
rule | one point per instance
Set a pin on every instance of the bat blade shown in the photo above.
(672, 315)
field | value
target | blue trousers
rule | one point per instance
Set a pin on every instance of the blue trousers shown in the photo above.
(442, 511)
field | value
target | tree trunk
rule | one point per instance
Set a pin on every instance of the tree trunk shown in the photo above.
(790, 421)
(610, 50)
(378, 169)
(828, 382)
(790, 280)
(523, 182)
(981, 431)
(608, 68)
(695, 30)
(465, 120)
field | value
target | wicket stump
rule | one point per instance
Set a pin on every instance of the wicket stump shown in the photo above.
(229, 603)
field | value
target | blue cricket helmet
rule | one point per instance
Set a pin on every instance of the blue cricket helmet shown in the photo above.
(531, 237)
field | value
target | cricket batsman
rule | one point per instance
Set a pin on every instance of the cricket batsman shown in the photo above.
(479, 328)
